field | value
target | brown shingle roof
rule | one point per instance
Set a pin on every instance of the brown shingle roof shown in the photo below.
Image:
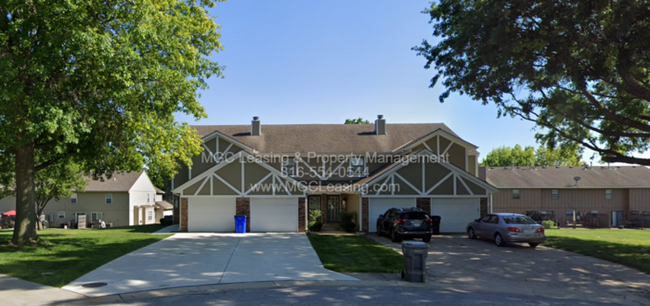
(119, 182)
(325, 138)
(562, 177)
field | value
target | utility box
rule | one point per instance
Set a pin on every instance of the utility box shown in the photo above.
(240, 224)
(415, 260)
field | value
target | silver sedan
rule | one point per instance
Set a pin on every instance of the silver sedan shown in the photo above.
(507, 227)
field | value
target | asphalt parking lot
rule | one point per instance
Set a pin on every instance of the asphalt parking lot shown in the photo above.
(516, 268)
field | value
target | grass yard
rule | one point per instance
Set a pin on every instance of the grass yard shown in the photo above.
(627, 247)
(356, 254)
(69, 254)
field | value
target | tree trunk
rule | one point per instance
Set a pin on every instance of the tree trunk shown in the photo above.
(25, 228)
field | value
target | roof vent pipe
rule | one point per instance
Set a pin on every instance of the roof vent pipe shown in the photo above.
(380, 125)
(256, 126)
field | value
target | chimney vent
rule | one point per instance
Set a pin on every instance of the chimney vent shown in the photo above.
(256, 126)
(380, 125)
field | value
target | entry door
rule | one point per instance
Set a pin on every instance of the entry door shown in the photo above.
(617, 218)
(333, 208)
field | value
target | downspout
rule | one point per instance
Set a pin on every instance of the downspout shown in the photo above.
(491, 203)
(360, 214)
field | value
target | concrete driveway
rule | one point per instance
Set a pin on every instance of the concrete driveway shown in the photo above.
(479, 265)
(192, 259)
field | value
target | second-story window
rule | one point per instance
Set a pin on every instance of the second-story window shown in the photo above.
(609, 194)
(516, 194)
(289, 166)
(357, 167)
(148, 197)
(73, 198)
(109, 198)
(555, 194)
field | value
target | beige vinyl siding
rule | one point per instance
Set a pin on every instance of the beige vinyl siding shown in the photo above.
(471, 164)
(639, 199)
(580, 200)
(89, 202)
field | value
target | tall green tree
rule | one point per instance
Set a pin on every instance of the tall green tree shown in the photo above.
(96, 83)
(357, 121)
(578, 69)
(55, 182)
(529, 156)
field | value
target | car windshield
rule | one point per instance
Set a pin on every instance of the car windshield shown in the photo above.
(518, 220)
(414, 215)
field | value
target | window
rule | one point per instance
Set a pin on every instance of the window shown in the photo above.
(548, 215)
(73, 198)
(594, 212)
(555, 194)
(515, 194)
(494, 220)
(609, 194)
(148, 197)
(109, 198)
(96, 216)
(149, 215)
(569, 213)
(289, 166)
(62, 215)
(357, 167)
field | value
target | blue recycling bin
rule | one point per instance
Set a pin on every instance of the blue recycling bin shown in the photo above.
(240, 224)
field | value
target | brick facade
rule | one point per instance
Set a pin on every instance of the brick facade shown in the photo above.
(244, 208)
(424, 204)
(364, 213)
(302, 215)
(183, 224)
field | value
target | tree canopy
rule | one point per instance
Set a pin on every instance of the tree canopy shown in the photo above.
(529, 156)
(357, 121)
(578, 69)
(96, 83)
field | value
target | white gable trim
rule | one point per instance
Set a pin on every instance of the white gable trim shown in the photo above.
(438, 132)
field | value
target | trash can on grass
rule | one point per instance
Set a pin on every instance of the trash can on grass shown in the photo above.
(415, 260)
(240, 224)
(435, 222)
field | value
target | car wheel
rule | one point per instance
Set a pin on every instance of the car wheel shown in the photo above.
(471, 234)
(498, 240)
(394, 237)
(379, 233)
(533, 245)
(426, 239)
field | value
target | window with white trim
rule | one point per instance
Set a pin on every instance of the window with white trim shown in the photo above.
(96, 216)
(62, 215)
(149, 215)
(109, 198)
(73, 198)
(609, 194)
(148, 197)
(555, 194)
(357, 167)
(289, 166)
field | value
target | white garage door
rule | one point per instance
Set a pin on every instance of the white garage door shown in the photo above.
(274, 215)
(378, 207)
(455, 213)
(211, 215)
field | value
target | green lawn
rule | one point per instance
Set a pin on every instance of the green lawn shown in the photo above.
(69, 254)
(356, 254)
(626, 247)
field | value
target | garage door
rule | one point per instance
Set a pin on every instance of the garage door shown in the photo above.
(211, 215)
(377, 207)
(274, 215)
(455, 213)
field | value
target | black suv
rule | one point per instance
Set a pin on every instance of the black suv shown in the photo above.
(402, 223)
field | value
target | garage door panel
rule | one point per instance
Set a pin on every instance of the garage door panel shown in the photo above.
(455, 213)
(211, 215)
(274, 215)
(379, 206)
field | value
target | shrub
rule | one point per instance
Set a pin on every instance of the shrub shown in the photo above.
(347, 221)
(314, 215)
(314, 226)
(166, 221)
(548, 224)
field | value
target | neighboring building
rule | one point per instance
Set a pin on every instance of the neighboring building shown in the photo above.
(252, 170)
(598, 196)
(123, 200)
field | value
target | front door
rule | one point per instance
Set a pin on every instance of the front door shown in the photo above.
(617, 218)
(333, 208)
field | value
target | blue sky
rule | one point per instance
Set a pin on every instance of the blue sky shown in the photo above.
(297, 62)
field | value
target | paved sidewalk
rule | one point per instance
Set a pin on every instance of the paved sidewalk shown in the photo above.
(174, 228)
(18, 292)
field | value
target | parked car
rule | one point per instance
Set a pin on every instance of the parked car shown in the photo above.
(400, 223)
(507, 227)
